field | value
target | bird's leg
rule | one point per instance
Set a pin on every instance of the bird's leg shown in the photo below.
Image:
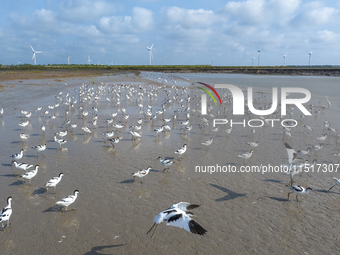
(291, 180)
(288, 196)
(297, 198)
(331, 188)
(154, 231)
(47, 193)
(151, 228)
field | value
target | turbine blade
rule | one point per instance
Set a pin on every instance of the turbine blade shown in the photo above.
(33, 55)
(32, 48)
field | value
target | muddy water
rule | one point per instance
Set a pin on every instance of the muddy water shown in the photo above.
(242, 212)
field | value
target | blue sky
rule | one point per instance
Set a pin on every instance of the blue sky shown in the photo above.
(183, 32)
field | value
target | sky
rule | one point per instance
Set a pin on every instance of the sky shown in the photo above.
(201, 32)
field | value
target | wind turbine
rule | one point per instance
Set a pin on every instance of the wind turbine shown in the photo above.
(68, 60)
(89, 60)
(34, 56)
(150, 52)
(252, 60)
(310, 56)
(284, 59)
(259, 57)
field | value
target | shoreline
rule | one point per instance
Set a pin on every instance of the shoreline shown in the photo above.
(58, 72)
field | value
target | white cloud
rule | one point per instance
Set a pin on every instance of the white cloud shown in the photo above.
(249, 12)
(326, 37)
(315, 13)
(282, 8)
(141, 20)
(83, 10)
(261, 12)
(43, 15)
(189, 18)
(86, 31)
(115, 24)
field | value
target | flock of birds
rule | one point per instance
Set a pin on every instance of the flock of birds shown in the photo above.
(86, 96)
(76, 108)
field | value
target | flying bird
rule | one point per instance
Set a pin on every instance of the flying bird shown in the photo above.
(178, 216)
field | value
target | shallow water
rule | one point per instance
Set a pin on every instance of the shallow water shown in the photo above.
(242, 212)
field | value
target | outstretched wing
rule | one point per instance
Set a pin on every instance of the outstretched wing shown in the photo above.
(184, 221)
(196, 228)
(292, 155)
(184, 206)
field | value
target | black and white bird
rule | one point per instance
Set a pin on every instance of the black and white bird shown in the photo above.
(135, 134)
(159, 130)
(22, 166)
(39, 148)
(86, 130)
(141, 173)
(53, 182)
(108, 135)
(115, 140)
(247, 155)
(6, 212)
(181, 150)
(294, 165)
(297, 189)
(253, 144)
(165, 162)
(62, 133)
(18, 155)
(208, 142)
(29, 175)
(66, 201)
(24, 124)
(178, 216)
(337, 182)
(60, 141)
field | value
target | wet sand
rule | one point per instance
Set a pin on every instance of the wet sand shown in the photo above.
(243, 212)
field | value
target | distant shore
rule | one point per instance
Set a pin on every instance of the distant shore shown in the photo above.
(64, 71)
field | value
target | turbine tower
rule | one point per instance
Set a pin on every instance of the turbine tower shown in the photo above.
(259, 57)
(68, 60)
(34, 56)
(89, 60)
(310, 56)
(253, 61)
(150, 53)
(284, 59)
